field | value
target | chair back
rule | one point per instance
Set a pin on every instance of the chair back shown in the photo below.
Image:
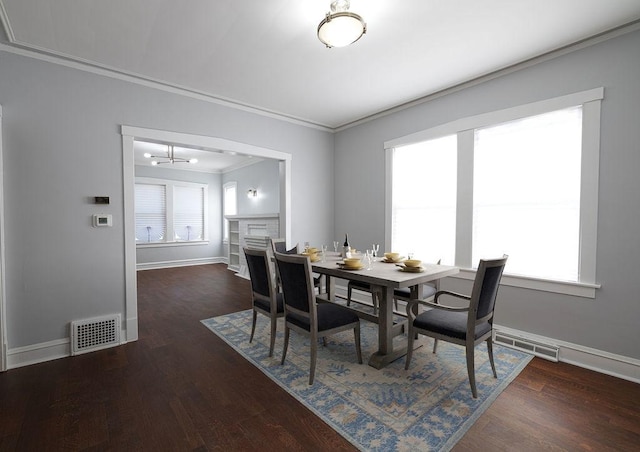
(485, 289)
(262, 283)
(297, 284)
(279, 245)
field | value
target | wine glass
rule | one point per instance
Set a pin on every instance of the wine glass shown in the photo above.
(324, 252)
(375, 248)
(368, 258)
(335, 245)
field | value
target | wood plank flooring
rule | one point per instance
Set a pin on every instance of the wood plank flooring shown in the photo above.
(181, 388)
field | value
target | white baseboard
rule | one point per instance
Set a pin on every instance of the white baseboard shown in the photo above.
(577, 355)
(48, 351)
(179, 263)
(589, 358)
(38, 353)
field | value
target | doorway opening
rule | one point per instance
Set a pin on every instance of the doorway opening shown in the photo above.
(129, 136)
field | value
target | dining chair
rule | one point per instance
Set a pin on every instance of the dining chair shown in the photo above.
(304, 314)
(428, 291)
(279, 245)
(469, 325)
(364, 287)
(266, 299)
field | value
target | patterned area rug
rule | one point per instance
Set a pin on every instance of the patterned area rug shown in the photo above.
(428, 407)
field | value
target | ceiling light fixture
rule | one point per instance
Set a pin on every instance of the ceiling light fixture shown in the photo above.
(340, 27)
(169, 158)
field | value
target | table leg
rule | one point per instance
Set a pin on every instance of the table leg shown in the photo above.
(386, 354)
(331, 287)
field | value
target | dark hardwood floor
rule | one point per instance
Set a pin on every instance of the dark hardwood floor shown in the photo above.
(180, 387)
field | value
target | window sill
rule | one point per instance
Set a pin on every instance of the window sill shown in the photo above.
(576, 289)
(171, 244)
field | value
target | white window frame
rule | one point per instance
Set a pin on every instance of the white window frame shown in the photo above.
(225, 222)
(591, 103)
(169, 185)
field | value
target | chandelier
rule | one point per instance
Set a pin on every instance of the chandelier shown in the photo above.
(341, 27)
(169, 158)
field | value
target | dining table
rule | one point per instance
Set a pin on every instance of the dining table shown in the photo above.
(383, 277)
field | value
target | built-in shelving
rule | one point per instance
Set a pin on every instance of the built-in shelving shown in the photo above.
(249, 230)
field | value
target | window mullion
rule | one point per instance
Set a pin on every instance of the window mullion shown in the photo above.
(170, 227)
(464, 208)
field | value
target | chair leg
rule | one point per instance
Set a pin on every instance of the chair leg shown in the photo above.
(410, 336)
(435, 345)
(286, 344)
(324, 341)
(314, 355)
(349, 291)
(471, 368)
(374, 300)
(490, 350)
(356, 333)
(253, 326)
(274, 321)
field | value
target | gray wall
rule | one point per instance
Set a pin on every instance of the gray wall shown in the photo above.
(263, 176)
(62, 145)
(145, 255)
(610, 322)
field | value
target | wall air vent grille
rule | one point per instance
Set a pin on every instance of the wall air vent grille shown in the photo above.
(546, 351)
(94, 334)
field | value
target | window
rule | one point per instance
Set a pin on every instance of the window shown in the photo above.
(229, 205)
(526, 194)
(521, 181)
(170, 212)
(424, 199)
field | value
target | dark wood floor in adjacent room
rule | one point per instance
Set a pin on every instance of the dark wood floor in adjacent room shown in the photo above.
(181, 388)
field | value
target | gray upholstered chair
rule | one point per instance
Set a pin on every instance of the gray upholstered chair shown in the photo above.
(266, 299)
(279, 245)
(428, 291)
(304, 315)
(364, 287)
(467, 326)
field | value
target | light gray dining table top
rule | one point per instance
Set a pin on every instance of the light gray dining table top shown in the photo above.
(382, 273)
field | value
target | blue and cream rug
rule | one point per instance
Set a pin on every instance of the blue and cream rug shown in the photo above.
(428, 407)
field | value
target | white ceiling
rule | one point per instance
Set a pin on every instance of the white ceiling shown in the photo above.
(265, 53)
(209, 160)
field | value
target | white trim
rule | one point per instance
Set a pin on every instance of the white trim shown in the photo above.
(577, 289)
(590, 101)
(3, 293)
(39, 353)
(464, 199)
(225, 221)
(186, 139)
(499, 116)
(588, 42)
(42, 54)
(589, 358)
(129, 220)
(179, 263)
(589, 191)
(129, 134)
(144, 245)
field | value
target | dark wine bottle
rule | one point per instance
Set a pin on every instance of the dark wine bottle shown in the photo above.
(346, 249)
